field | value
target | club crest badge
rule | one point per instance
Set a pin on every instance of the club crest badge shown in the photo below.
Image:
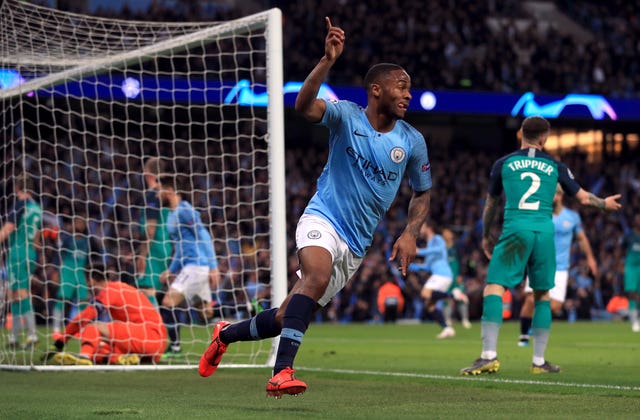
(397, 154)
(314, 234)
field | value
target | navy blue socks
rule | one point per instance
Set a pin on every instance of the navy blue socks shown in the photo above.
(296, 320)
(261, 326)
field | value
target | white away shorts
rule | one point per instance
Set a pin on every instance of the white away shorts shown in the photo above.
(192, 281)
(559, 291)
(313, 230)
(438, 282)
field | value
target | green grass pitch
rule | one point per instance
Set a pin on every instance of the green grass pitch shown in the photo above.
(359, 371)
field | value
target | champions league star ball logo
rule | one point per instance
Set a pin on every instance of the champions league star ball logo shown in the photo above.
(397, 154)
(131, 87)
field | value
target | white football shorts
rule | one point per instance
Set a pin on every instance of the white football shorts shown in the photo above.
(313, 230)
(559, 291)
(438, 282)
(192, 281)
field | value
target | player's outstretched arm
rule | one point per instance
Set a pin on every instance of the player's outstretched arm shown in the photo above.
(588, 199)
(74, 326)
(307, 102)
(405, 245)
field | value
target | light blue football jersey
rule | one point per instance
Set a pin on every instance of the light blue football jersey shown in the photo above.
(436, 258)
(566, 224)
(191, 240)
(363, 172)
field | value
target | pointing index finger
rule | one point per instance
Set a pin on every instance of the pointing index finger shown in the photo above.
(328, 20)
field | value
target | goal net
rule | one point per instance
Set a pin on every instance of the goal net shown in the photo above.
(86, 102)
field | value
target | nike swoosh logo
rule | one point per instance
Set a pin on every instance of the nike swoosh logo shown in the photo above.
(359, 134)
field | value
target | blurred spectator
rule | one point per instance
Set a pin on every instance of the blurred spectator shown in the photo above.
(390, 300)
(461, 44)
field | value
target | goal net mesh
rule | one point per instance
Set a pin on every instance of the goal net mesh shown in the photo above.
(86, 102)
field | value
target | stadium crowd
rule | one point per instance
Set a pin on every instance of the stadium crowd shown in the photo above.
(448, 44)
(450, 47)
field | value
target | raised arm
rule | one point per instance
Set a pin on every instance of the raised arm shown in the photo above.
(588, 199)
(307, 102)
(405, 245)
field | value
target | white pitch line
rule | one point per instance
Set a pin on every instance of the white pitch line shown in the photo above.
(474, 378)
(345, 371)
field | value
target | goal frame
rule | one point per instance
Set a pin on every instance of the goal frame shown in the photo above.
(271, 20)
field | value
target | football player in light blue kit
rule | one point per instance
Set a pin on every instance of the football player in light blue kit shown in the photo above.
(567, 225)
(436, 262)
(370, 149)
(194, 268)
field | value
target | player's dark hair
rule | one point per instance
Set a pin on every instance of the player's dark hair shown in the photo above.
(168, 180)
(97, 271)
(431, 224)
(534, 127)
(378, 72)
(179, 182)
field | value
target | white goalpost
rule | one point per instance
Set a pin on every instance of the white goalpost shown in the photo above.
(86, 102)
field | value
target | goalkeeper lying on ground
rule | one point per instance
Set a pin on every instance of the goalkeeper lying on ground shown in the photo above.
(135, 331)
